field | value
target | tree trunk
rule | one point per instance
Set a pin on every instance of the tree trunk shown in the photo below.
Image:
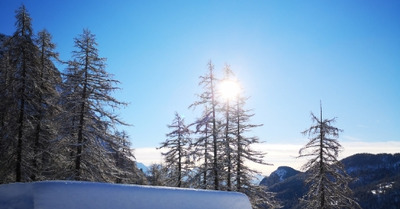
(205, 157)
(79, 147)
(321, 164)
(38, 126)
(215, 145)
(239, 147)
(228, 180)
(179, 159)
(18, 168)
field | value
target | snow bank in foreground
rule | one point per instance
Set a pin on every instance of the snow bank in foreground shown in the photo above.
(87, 195)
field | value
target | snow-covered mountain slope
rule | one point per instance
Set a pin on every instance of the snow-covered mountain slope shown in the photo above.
(281, 174)
(89, 195)
(257, 179)
(142, 167)
(376, 182)
(368, 168)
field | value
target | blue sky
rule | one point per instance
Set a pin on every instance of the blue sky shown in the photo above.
(288, 55)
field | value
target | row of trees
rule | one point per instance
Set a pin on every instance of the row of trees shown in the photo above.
(57, 125)
(213, 152)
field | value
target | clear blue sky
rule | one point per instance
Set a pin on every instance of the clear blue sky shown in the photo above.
(288, 55)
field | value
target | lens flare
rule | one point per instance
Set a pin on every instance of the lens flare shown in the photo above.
(229, 89)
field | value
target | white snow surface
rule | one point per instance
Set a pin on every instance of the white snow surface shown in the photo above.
(281, 173)
(89, 195)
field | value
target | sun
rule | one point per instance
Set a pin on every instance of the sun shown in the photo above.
(229, 89)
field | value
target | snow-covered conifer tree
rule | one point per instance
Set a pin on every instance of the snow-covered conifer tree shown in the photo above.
(91, 121)
(207, 99)
(244, 152)
(327, 178)
(45, 145)
(6, 140)
(243, 144)
(157, 175)
(177, 155)
(22, 81)
(201, 151)
(125, 160)
(229, 87)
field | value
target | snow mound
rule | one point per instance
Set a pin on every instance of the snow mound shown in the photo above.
(89, 195)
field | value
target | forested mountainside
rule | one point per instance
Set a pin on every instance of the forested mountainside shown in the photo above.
(376, 181)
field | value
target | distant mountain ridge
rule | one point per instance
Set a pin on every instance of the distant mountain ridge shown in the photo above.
(281, 174)
(142, 167)
(376, 184)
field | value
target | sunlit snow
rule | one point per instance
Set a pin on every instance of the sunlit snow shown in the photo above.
(281, 173)
(86, 195)
(381, 188)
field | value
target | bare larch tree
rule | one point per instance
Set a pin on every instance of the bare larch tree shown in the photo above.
(208, 100)
(326, 176)
(177, 154)
(91, 121)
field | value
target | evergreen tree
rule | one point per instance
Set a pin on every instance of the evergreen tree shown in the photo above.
(46, 129)
(244, 152)
(261, 198)
(200, 151)
(177, 155)
(21, 79)
(29, 81)
(227, 125)
(6, 130)
(125, 161)
(208, 99)
(91, 122)
(5, 70)
(157, 175)
(233, 146)
(45, 136)
(326, 175)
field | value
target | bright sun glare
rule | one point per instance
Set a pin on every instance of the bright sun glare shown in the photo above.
(229, 89)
